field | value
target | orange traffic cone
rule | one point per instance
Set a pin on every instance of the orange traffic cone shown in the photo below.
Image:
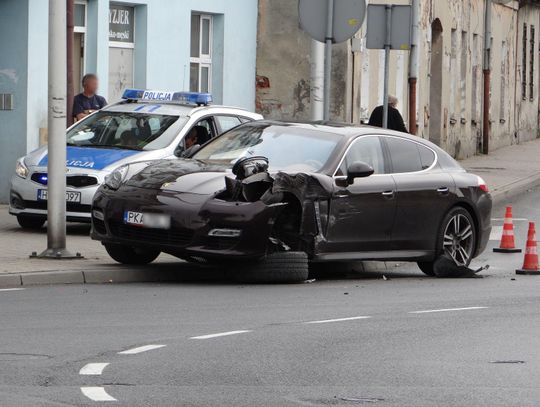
(508, 244)
(530, 265)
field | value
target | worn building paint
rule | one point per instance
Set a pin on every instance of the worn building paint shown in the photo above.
(450, 80)
(283, 65)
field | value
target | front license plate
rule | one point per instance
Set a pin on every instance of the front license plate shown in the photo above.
(147, 220)
(43, 195)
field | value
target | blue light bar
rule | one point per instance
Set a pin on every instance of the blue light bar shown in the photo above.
(189, 98)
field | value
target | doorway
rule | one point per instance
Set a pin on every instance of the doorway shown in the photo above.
(435, 91)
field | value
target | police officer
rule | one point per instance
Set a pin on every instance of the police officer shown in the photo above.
(88, 101)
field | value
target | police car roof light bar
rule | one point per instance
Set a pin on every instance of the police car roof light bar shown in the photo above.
(189, 98)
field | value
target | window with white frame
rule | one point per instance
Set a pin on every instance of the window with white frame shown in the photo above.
(201, 53)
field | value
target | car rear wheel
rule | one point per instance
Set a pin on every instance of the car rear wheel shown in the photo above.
(278, 267)
(30, 222)
(130, 255)
(457, 241)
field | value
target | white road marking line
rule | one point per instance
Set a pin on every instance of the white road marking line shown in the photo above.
(140, 349)
(446, 310)
(219, 335)
(93, 369)
(325, 321)
(12, 289)
(97, 394)
(496, 233)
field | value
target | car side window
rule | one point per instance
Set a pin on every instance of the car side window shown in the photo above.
(208, 125)
(227, 122)
(367, 149)
(427, 157)
(408, 156)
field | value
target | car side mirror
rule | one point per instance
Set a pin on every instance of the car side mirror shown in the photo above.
(358, 169)
(180, 153)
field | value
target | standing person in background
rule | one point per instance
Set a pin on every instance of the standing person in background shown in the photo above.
(395, 120)
(88, 101)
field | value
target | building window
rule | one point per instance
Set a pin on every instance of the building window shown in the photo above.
(531, 62)
(201, 53)
(524, 64)
(464, 68)
(502, 101)
(475, 61)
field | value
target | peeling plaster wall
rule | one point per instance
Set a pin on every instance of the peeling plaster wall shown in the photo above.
(283, 69)
(283, 66)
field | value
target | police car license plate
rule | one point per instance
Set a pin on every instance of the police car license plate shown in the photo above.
(147, 220)
(43, 195)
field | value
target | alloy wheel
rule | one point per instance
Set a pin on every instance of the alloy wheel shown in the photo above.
(459, 239)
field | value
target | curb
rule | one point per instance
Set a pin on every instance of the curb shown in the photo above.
(516, 188)
(107, 276)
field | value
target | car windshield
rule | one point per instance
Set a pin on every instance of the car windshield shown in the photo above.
(123, 130)
(288, 148)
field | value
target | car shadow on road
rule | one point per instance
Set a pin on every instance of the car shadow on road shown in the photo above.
(181, 272)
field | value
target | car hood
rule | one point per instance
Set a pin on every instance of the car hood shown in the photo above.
(182, 175)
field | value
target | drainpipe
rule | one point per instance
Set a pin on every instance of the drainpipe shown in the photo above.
(487, 78)
(317, 80)
(413, 66)
(69, 45)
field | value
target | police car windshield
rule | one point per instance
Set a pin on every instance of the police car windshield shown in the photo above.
(288, 148)
(123, 130)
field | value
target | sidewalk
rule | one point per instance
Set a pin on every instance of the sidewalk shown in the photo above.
(508, 172)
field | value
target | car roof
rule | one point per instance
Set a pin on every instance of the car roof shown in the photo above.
(347, 130)
(177, 109)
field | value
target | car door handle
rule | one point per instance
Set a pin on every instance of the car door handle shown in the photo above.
(388, 194)
(443, 190)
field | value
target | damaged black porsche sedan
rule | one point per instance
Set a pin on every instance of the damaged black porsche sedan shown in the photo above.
(275, 196)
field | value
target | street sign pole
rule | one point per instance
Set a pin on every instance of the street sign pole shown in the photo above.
(328, 22)
(328, 59)
(57, 106)
(387, 48)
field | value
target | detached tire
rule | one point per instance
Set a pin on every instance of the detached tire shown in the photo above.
(30, 222)
(130, 255)
(277, 268)
(456, 243)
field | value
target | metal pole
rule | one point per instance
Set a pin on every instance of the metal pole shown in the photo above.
(487, 79)
(317, 80)
(69, 44)
(387, 46)
(328, 59)
(56, 206)
(413, 66)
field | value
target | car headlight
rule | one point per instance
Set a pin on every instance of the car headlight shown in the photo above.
(117, 177)
(21, 169)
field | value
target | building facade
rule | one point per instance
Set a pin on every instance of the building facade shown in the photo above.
(197, 45)
(450, 91)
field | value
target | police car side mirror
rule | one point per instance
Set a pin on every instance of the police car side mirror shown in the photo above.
(181, 153)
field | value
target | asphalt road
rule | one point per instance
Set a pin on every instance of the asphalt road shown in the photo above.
(406, 340)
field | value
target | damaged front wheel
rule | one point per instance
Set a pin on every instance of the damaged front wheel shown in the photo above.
(457, 242)
(278, 267)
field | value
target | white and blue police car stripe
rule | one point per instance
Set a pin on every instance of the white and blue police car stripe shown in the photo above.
(92, 158)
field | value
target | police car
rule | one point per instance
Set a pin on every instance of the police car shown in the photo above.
(144, 125)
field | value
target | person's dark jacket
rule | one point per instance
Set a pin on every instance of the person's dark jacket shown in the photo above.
(395, 120)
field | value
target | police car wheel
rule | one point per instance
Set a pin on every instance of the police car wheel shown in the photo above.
(30, 222)
(130, 255)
